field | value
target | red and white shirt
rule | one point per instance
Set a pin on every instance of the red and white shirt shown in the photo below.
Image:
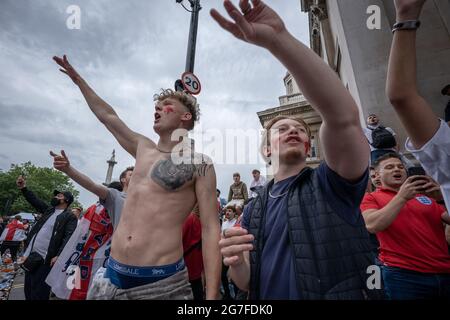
(416, 238)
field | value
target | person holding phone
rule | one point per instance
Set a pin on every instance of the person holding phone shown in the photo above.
(409, 226)
(432, 189)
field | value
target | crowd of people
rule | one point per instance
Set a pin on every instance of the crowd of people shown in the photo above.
(308, 233)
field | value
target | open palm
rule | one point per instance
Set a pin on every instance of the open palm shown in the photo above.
(259, 25)
(67, 68)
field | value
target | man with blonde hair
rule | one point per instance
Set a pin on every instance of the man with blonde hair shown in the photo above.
(146, 260)
(303, 236)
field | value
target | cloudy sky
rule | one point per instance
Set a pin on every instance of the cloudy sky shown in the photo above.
(126, 51)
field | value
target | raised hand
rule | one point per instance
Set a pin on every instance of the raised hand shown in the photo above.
(60, 162)
(21, 182)
(67, 68)
(257, 24)
(408, 9)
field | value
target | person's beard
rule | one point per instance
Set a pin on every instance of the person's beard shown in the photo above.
(56, 202)
(293, 156)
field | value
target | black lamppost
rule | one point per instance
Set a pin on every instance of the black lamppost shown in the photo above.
(190, 56)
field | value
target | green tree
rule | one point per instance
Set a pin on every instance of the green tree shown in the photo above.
(42, 181)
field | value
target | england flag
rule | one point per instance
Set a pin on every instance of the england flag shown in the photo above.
(14, 231)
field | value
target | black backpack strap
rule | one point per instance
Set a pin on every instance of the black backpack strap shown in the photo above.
(34, 239)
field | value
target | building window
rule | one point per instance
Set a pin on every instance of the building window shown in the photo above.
(290, 87)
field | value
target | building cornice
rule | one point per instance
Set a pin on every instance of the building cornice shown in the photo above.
(288, 110)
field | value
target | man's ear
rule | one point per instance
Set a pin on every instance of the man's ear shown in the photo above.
(186, 116)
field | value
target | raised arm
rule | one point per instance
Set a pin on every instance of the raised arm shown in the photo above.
(127, 138)
(205, 189)
(32, 199)
(414, 112)
(62, 163)
(345, 147)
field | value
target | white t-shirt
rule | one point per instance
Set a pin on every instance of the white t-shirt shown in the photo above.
(434, 157)
(368, 133)
(44, 235)
(260, 183)
(114, 204)
(227, 224)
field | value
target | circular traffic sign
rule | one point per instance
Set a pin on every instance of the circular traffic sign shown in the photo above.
(191, 83)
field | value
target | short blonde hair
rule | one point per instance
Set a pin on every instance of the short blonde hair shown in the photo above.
(188, 100)
(265, 139)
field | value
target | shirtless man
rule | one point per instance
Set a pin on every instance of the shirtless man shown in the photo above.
(146, 254)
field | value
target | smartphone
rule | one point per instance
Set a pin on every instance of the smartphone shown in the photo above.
(416, 171)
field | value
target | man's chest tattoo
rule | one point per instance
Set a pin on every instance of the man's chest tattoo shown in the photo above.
(172, 176)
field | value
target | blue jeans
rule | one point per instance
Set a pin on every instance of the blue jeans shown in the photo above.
(402, 284)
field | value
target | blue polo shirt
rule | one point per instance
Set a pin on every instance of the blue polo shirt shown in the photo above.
(277, 279)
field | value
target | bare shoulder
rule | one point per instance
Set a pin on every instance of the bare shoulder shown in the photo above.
(145, 143)
(144, 147)
(203, 164)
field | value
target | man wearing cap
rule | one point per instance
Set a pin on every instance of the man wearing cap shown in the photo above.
(47, 238)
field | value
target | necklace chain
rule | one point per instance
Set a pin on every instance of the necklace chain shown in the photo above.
(179, 151)
(157, 148)
(278, 196)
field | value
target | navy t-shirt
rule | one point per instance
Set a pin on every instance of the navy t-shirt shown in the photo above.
(277, 260)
